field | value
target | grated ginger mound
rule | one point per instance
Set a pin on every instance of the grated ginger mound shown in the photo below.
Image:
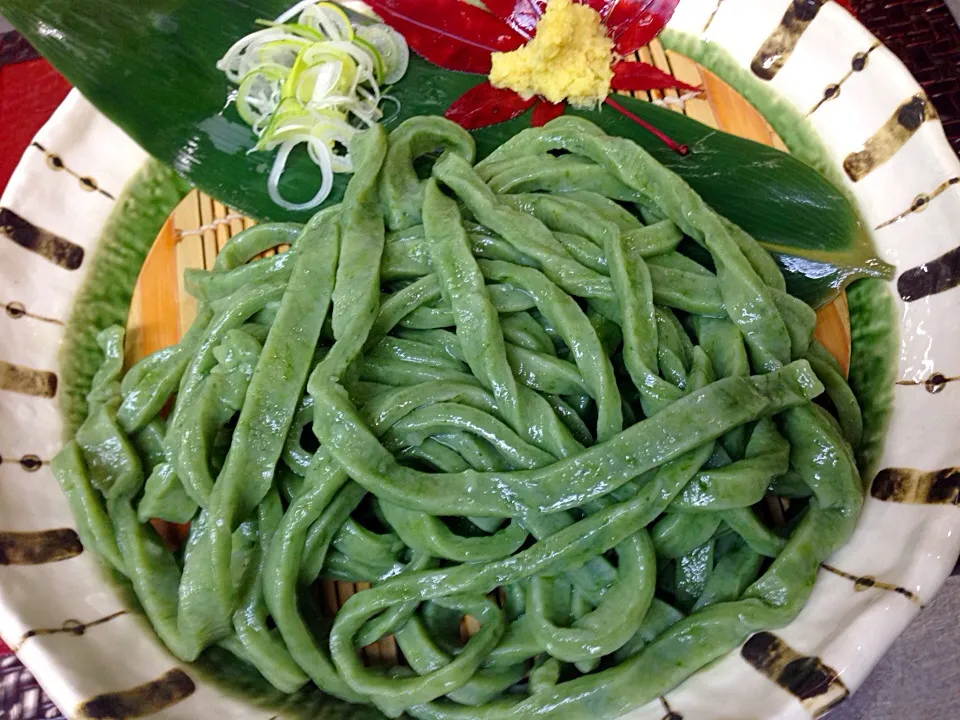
(570, 58)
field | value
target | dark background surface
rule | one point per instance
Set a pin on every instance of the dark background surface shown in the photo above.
(924, 34)
(920, 675)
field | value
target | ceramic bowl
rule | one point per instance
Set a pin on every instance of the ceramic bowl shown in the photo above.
(84, 205)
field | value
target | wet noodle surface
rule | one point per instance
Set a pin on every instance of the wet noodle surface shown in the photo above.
(502, 402)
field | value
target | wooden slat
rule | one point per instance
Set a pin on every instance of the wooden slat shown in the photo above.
(833, 330)
(777, 142)
(328, 590)
(733, 113)
(345, 591)
(186, 218)
(644, 55)
(209, 237)
(389, 653)
(689, 72)
(220, 212)
(660, 61)
(370, 653)
(153, 311)
(469, 626)
(236, 225)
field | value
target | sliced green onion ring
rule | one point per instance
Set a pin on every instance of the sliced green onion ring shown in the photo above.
(390, 47)
(279, 165)
(329, 19)
(378, 65)
(310, 77)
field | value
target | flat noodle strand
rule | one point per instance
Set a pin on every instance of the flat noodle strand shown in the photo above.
(471, 386)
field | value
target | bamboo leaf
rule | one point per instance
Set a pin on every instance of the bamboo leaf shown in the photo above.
(150, 67)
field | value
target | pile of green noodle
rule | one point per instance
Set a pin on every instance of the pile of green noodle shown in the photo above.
(497, 393)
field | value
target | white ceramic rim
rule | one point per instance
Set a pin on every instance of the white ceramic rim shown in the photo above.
(901, 552)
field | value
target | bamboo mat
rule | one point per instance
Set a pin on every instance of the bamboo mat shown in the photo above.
(162, 310)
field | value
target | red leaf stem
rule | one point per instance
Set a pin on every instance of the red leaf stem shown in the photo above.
(669, 142)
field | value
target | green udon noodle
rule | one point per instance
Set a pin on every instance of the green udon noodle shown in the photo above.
(529, 407)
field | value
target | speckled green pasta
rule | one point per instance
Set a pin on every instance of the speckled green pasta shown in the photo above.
(489, 391)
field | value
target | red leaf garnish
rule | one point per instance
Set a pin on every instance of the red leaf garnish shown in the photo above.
(601, 6)
(544, 112)
(521, 15)
(669, 142)
(453, 35)
(484, 105)
(641, 76)
(634, 23)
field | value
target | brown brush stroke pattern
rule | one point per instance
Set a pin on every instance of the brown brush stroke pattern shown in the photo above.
(709, 22)
(69, 627)
(170, 688)
(56, 163)
(887, 141)
(17, 310)
(817, 686)
(934, 384)
(29, 462)
(921, 202)
(38, 383)
(777, 48)
(39, 548)
(671, 713)
(917, 487)
(831, 92)
(931, 278)
(865, 582)
(58, 250)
